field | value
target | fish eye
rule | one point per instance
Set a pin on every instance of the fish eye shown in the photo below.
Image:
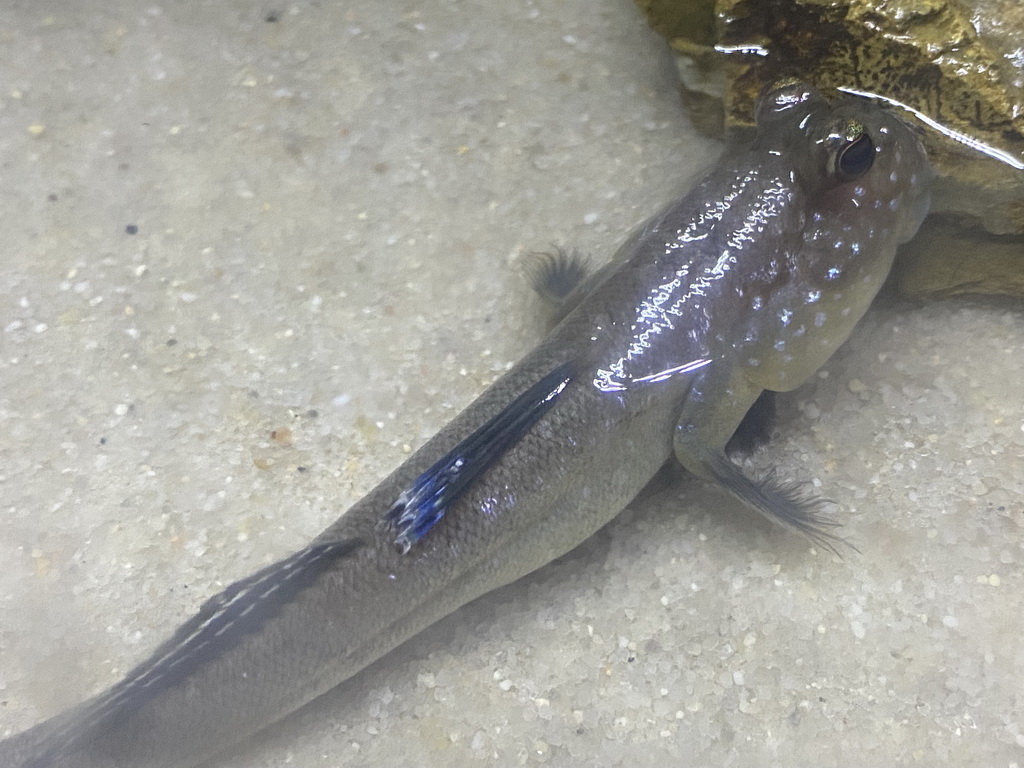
(855, 157)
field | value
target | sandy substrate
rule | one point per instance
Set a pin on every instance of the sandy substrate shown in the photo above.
(253, 255)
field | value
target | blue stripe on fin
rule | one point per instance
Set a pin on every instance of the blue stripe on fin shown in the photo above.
(420, 506)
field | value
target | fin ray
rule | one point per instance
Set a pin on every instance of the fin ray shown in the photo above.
(557, 273)
(782, 503)
(422, 505)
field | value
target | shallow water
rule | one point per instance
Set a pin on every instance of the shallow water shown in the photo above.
(331, 211)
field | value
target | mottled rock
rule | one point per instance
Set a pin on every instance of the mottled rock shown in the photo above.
(959, 63)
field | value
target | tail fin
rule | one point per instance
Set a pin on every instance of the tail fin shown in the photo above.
(221, 623)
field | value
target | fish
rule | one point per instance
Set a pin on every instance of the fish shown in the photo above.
(745, 285)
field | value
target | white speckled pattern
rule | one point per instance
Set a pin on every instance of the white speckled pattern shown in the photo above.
(849, 239)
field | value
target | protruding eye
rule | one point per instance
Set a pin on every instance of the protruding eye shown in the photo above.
(855, 157)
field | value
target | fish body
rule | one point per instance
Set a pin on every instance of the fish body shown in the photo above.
(747, 283)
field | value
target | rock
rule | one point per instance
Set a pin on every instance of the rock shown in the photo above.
(956, 62)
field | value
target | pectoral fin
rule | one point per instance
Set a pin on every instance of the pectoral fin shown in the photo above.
(785, 505)
(716, 405)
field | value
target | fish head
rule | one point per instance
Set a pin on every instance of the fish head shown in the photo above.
(859, 179)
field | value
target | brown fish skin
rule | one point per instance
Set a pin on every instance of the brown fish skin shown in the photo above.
(749, 282)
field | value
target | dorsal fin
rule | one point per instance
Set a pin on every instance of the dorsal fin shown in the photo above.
(420, 506)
